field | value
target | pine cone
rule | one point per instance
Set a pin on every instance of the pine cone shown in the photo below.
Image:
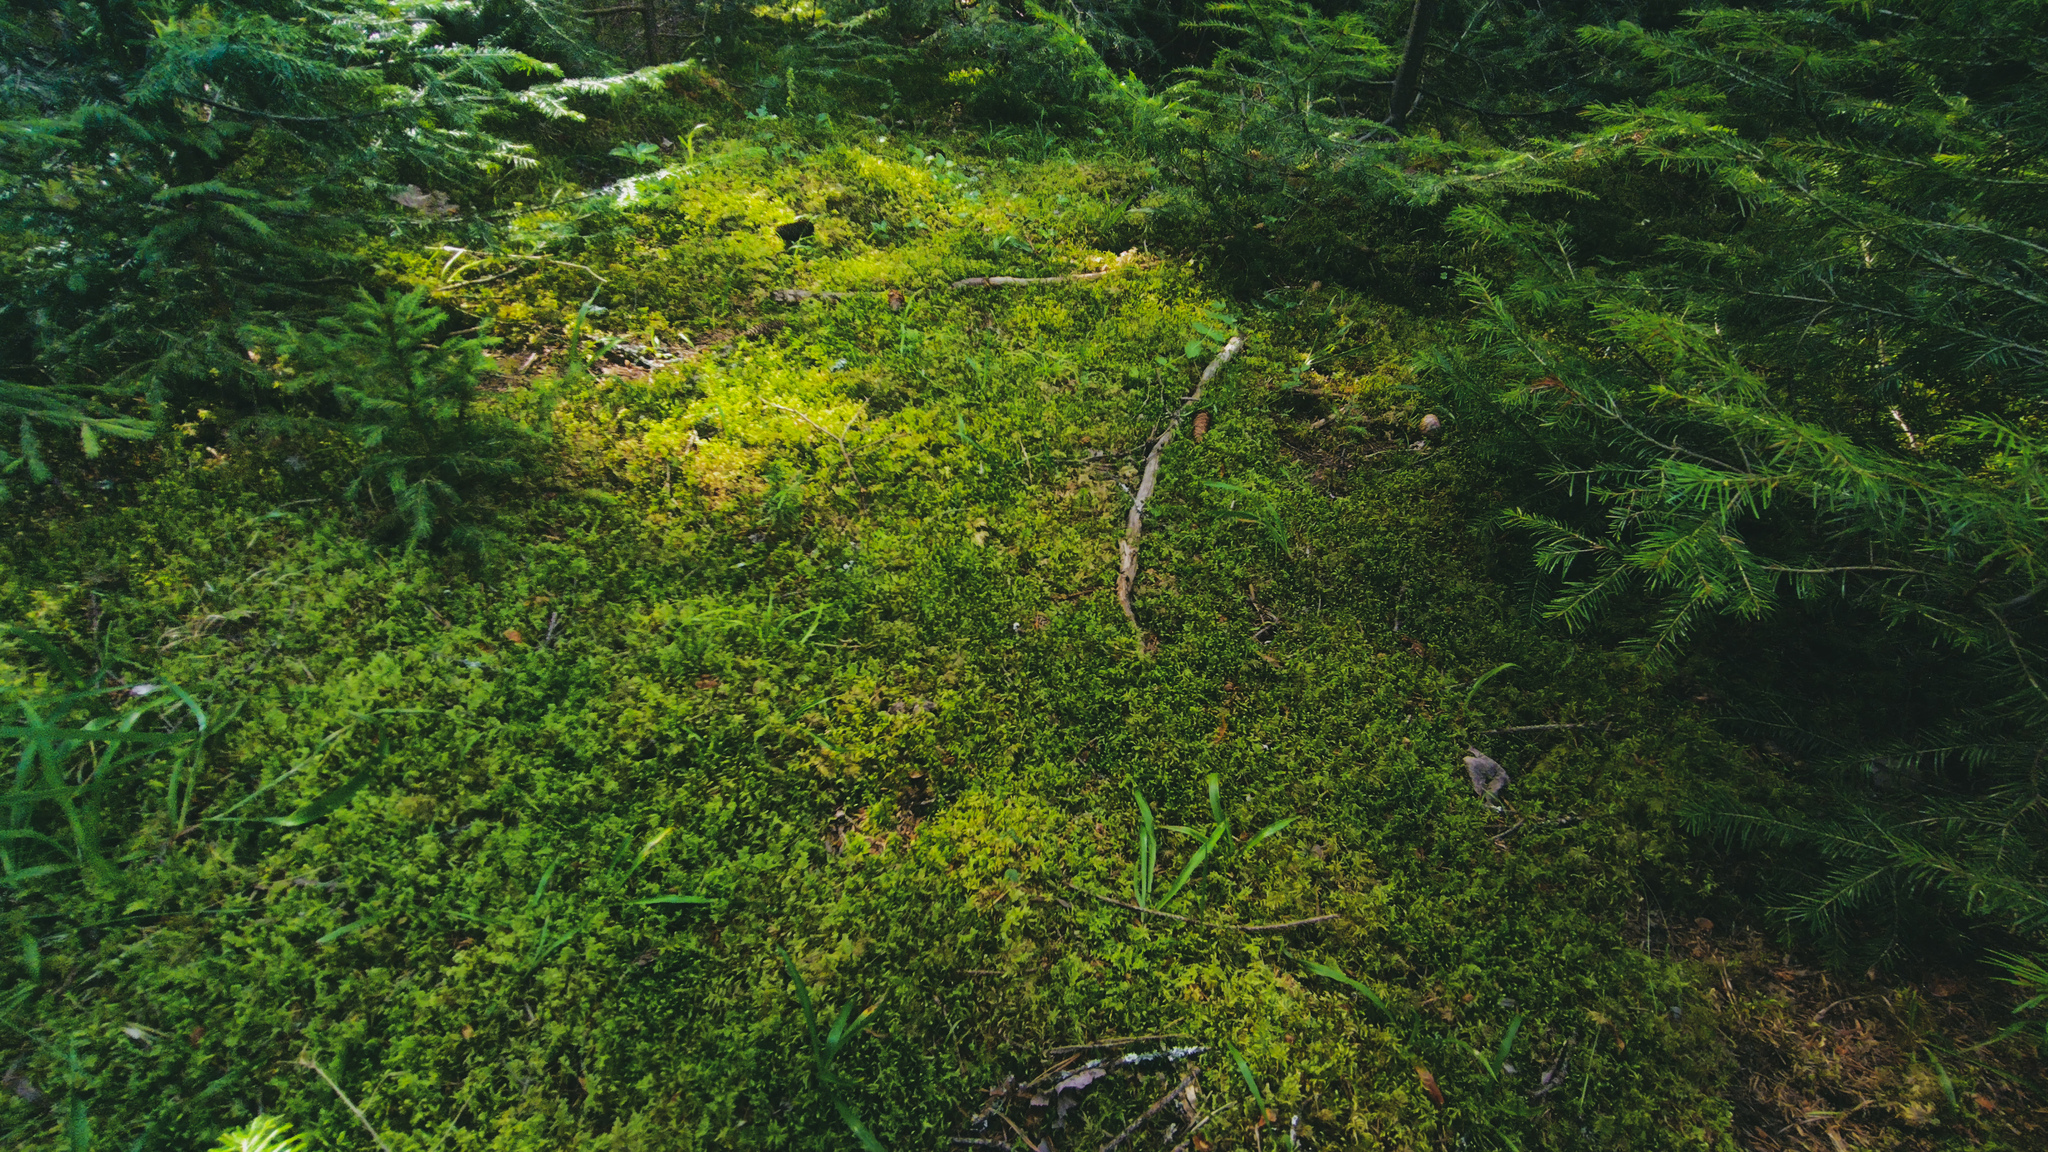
(1201, 426)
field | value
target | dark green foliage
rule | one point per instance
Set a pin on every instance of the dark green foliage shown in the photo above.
(794, 676)
(1821, 386)
(85, 769)
(572, 796)
(175, 174)
(826, 1050)
(32, 412)
(406, 400)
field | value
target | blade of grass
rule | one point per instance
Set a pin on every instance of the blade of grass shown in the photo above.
(1948, 1086)
(1479, 683)
(1195, 861)
(1265, 834)
(1245, 1070)
(1328, 972)
(1500, 1056)
(325, 805)
(1148, 854)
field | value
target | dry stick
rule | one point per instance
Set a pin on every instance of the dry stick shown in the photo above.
(1151, 1112)
(1288, 924)
(799, 295)
(1116, 1042)
(1134, 523)
(858, 486)
(1192, 920)
(307, 1061)
(1133, 907)
(1540, 728)
(1019, 281)
(1199, 1124)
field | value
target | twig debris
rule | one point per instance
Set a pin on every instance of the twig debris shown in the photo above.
(1134, 523)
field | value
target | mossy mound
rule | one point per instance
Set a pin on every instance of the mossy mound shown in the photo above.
(807, 643)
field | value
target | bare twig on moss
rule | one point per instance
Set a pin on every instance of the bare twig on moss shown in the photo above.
(1134, 523)
(857, 485)
(1136, 907)
(1115, 1042)
(1543, 728)
(1191, 920)
(799, 295)
(1199, 1125)
(1285, 925)
(1021, 281)
(306, 1061)
(1151, 1112)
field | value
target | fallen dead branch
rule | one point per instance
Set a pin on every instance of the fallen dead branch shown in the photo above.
(1285, 924)
(1134, 523)
(857, 485)
(1199, 1125)
(1021, 281)
(1123, 260)
(1191, 920)
(799, 295)
(1115, 1042)
(306, 1061)
(1151, 1112)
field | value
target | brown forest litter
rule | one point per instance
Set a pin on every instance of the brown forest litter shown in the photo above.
(1828, 1061)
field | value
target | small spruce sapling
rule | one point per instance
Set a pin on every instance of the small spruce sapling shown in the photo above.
(408, 401)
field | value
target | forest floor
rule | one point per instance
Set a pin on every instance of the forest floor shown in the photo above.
(798, 677)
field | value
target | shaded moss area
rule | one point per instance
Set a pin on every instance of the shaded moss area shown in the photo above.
(806, 640)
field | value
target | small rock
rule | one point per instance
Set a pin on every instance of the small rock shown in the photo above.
(1488, 777)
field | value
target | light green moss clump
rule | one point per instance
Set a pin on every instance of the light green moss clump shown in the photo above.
(813, 628)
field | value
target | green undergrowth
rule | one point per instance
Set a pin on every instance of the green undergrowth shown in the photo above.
(807, 642)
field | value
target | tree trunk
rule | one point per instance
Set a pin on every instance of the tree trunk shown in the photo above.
(647, 27)
(1409, 78)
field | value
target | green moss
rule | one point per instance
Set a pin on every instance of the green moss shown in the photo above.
(877, 705)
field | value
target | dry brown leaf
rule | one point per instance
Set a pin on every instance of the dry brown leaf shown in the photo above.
(1429, 1085)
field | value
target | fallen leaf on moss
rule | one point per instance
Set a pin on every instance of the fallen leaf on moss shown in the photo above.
(1429, 1085)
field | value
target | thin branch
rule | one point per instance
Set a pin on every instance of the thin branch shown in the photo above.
(1191, 920)
(308, 1062)
(1134, 523)
(858, 486)
(1162, 1102)
(1018, 281)
(1134, 907)
(1116, 1042)
(1285, 924)
(1199, 1125)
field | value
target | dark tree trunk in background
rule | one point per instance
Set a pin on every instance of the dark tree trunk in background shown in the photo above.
(1409, 78)
(647, 26)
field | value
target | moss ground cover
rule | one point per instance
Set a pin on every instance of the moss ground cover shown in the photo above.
(803, 643)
